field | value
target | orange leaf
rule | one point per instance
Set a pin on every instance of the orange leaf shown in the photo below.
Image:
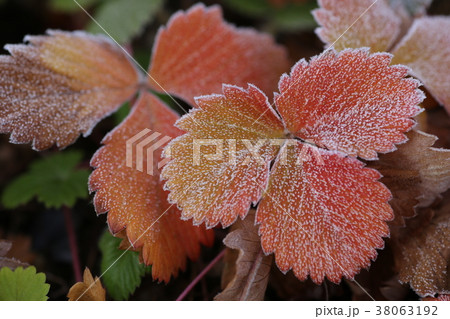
(215, 184)
(61, 85)
(357, 23)
(422, 252)
(349, 101)
(324, 216)
(426, 49)
(87, 290)
(252, 265)
(136, 200)
(416, 174)
(198, 51)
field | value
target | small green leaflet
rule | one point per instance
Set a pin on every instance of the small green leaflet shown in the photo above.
(124, 276)
(124, 19)
(22, 285)
(54, 180)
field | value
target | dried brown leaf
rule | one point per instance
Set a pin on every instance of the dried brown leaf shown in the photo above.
(422, 252)
(416, 174)
(89, 289)
(252, 265)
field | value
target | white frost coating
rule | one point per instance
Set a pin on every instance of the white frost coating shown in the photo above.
(217, 191)
(61, 85)
(324, 220)
(426, 50)
(353, 25)
(362, 107)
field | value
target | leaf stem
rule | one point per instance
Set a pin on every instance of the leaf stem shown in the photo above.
(201, 275)
(72, 243)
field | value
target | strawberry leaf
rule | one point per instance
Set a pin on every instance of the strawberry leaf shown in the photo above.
(324, 216)
(121, 270)
(357, 23)
(220, 191)
(54, 180)
(136, 201)
(335, 102)
(61, 85)
(198, 51)
(340, 203)
(426, 49)
(22, 285)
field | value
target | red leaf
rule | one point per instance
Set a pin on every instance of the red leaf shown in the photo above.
(136, 200)
(352, 102)
(217, 190)
(324, 216)
(61, 85)
(357, 23)
(198, 51)
(426, 49)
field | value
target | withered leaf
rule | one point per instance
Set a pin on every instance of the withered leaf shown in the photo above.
(60, 85)
(252, 265)
(11, 263)
(416, 174)
(422, 252)
(89, 289)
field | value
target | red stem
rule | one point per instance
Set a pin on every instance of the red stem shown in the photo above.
(72, 243)
(201, 275)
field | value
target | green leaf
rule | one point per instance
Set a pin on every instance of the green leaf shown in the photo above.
(70, 6)
(295, 17)
(124, 19)
(54, 180)
(22, 285)
(121, 270)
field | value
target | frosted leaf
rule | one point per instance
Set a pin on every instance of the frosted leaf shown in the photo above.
(61, 85)
(426, 50)
(215, 189)
(349, 101)
(416, 174)
(421, 252)
(198, 51)
(352, 103)
(351, 24)
(136, 202)
(323, 219)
